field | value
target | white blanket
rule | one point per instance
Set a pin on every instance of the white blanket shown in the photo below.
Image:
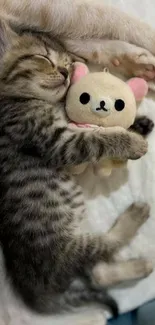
(119, 191)
(123, 188)
(140, 185)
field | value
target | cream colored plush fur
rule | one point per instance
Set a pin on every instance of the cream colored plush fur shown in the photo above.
(100, 86)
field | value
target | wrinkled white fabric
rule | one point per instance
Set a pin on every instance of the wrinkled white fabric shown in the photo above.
(140, 186)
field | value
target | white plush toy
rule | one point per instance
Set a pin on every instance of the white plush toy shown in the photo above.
(102, 100)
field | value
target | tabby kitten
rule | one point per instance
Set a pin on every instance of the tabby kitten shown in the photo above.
(41, 205)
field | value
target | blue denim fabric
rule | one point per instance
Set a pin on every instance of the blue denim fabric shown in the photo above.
(125, 319)
(144, 315)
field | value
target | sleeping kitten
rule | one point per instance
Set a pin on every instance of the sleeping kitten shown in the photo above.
(41, 206)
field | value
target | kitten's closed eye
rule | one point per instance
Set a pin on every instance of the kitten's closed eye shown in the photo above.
(45, 58)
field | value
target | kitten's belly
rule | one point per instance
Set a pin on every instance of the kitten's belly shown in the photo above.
(44, 189)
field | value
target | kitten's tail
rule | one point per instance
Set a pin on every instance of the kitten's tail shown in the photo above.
(89, 296)
(71, 299)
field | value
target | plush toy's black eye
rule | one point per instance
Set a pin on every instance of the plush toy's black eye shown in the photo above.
(119, 105)
(84, 98)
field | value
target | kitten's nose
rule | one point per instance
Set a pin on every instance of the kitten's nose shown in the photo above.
(64, 72)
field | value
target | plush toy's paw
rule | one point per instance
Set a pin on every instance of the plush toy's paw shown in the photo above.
(137, 146)
(142, 125)
(140, 63)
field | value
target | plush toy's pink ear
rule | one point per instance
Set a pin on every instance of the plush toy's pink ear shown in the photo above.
(80, 70)
(139, 87)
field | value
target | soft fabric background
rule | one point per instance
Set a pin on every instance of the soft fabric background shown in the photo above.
(140, 185)
(122, 189)
(119, 191)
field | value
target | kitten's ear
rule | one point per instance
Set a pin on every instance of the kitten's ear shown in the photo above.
(6, 36)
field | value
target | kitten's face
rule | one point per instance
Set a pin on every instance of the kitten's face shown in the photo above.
(32, 69)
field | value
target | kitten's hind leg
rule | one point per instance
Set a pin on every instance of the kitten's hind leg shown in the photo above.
(127, 225)
(93, 248)
(106, 275)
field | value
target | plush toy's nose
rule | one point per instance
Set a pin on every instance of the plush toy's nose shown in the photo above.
(103, 107)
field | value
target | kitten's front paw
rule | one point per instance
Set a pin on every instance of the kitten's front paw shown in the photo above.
(137, 146)
(143, 125)
(122, 144)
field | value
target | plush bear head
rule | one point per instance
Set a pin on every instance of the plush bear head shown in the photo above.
(102, 99)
